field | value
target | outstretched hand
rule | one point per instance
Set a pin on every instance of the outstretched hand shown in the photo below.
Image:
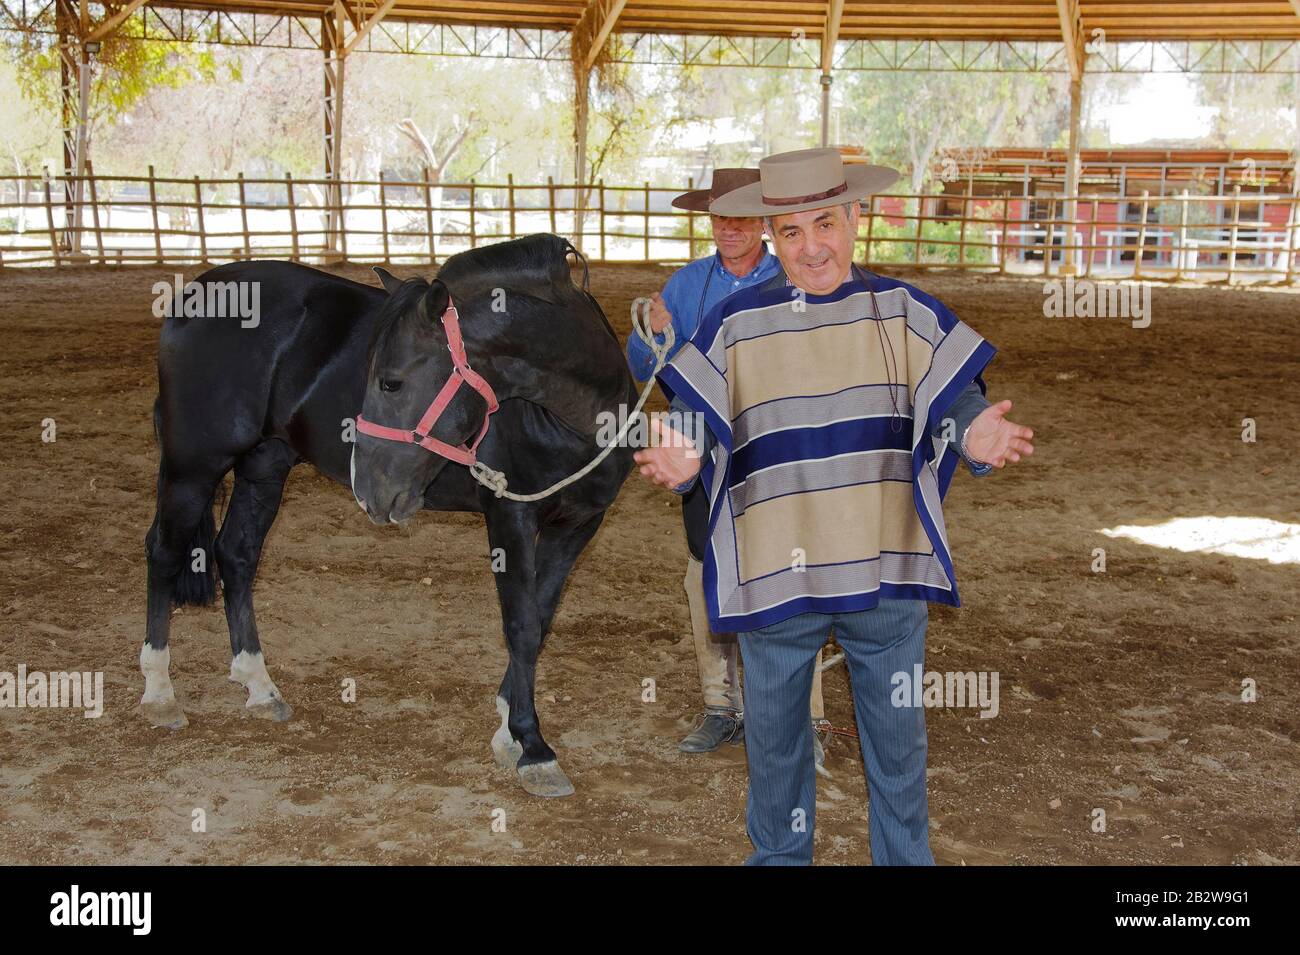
(673, 462)
(994, 440)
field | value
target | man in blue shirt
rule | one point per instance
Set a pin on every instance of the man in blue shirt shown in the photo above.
(742, 260)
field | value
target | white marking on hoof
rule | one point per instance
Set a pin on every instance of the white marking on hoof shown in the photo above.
(545, 779)
(156, 667)
(264, 698)
(504, 746)
(159, 701)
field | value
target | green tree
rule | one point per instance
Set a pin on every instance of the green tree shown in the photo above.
(125, 70)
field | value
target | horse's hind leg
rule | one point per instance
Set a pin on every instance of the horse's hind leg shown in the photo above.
(179, 552)
(259, 482)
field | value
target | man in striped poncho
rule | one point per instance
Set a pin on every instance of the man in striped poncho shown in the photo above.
(836, 405)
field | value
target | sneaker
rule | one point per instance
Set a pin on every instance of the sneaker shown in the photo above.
(713, 730)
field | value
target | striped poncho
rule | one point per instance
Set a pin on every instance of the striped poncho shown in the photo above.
(825, 485)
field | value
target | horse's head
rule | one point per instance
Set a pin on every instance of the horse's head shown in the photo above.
(419, 409)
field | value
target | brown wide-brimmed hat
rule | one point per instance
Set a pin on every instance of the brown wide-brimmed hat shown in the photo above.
(724, 181)
(802, 180)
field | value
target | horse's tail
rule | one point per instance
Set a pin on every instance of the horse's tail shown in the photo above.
(194, 587)
(199, 588)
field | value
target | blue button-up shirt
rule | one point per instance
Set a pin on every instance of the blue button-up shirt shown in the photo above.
(689, 294)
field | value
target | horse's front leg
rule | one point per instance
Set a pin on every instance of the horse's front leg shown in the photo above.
(512, 535)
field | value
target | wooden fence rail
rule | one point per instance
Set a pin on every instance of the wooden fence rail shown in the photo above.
(159, 220)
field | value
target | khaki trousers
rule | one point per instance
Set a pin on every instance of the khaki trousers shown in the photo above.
(716, 654)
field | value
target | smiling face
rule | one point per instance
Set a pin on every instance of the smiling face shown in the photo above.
(816, 247)
(409, 364)
(737, 237)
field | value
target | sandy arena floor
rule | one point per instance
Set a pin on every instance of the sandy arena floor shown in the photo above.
(1119, 690)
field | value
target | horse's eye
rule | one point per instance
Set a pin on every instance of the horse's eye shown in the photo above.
(388, 384)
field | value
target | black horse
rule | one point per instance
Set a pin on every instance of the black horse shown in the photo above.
(258, 397)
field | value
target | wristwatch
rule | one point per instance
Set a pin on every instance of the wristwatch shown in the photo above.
(978, 465)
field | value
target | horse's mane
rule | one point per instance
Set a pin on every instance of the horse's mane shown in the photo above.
(580, 356)
(536, 264)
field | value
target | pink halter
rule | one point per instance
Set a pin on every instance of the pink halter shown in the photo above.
(461, 373)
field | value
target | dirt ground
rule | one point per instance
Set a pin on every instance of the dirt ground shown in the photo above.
(1119, 690)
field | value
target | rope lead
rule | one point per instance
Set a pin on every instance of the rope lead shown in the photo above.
(495, 481)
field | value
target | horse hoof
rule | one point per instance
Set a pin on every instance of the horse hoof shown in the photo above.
(167, 715)
(277, 710)
(545, 779)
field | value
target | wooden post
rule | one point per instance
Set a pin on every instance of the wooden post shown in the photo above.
(1232, 235)
(1085, 237)
(602, 220)
(510, 196)
(1091, 250)
(94, 209)
(1293, 223)
(550, 200)
(293, 214)
(49, 219)
(383, 211)
(1072, 168)
(243, 215)
(645, 219)
(916, 245)
(153, 205)
(428, 214)
(1142, 233)
(335, 52)
(1002, 237)
(961, 238)
(581, 187)
(1182, 236)
(343, 225)
(198, 218)
(1051, 234)
(473, 241)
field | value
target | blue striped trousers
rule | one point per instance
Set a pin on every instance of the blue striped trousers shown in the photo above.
(779, 661)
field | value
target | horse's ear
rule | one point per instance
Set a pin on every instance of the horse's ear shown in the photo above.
(436, 300)
(391, 282)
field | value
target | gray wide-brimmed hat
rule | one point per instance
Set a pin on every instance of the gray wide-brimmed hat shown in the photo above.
(724, 181)
(802, 180)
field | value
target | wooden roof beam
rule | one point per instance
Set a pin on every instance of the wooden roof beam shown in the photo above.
(364, 29)
(602, 14)
(831, 32)
(112, 23)
(1072, 35)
